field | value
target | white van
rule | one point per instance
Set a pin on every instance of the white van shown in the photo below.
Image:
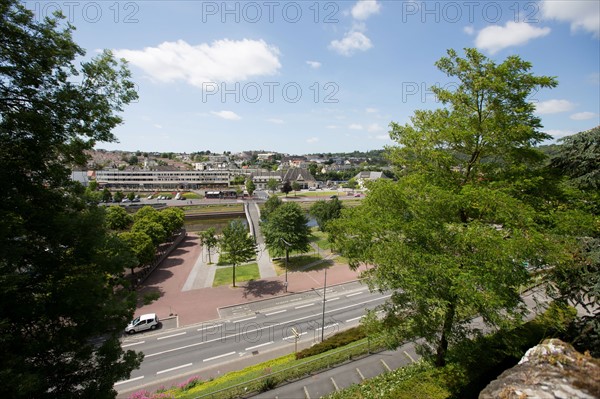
(144, 322)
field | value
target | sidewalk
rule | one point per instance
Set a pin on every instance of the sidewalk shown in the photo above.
(183, 281)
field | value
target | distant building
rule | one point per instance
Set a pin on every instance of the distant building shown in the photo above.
(365, 176)
(260, 178)
(301, 176)
(163, 179)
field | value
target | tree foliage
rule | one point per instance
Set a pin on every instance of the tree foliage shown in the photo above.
(449, 238)
(579, 158)
(286, 229)
(59, 266)
(272, 185)
(117, 218)
(141, 245)
(237, 244)
(270, 206)
(250, 187)
(286, 188)
(209, 239)
(172, 219)
(325, 211)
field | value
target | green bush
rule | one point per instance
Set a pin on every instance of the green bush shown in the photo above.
(339, 339)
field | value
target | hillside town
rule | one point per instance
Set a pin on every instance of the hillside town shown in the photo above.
(152, 171)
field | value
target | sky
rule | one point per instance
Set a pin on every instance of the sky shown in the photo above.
(304, 77)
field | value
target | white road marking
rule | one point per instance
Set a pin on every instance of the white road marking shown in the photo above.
(303, 306)
(333, 299)
(173, 368)
(353, 319)
(277, 312)
(356, 293)
(326, 327)
(263, 328)
(210, 327)
(129, 380)
(171, 336)
(293, 336)
(249, 318)
(219, 356)
(258, 346)
(135, 343)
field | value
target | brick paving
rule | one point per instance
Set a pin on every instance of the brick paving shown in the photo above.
(195, 305)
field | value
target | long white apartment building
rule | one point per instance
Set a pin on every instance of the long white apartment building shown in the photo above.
(140, 180)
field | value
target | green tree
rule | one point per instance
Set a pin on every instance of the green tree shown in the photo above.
(270, 206)
(172, 219)
(209, 239)
(117, 218)
(141, 245)
(352, 183)
(296, 187)
(118, 197)
(250, 186)
(272, 185)
(131, 196)
(576, 219)
(153, 229)
(237, 244)
(449, 238)
(286, 187)
(93, 185)
(325, 211)
(238, 180)
(60, 288)
(106, 195)
(579, 158)
(286, 230)
(314, 169)
(148, 213)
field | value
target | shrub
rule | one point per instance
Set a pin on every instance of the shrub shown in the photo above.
(339, 339)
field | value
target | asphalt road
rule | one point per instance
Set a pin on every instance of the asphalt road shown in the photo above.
(245, 331)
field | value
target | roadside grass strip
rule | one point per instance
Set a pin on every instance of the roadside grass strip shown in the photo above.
(256, 378)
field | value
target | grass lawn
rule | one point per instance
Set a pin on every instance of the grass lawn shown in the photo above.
(224, 275)
(320, 238)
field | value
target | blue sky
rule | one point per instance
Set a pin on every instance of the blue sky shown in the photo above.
(308, 76)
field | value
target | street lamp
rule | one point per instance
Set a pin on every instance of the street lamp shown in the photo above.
(323, 322)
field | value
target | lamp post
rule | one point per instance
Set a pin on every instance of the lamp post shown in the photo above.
(287, 245)
(323, 322)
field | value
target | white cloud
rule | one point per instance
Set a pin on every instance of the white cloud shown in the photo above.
(158, 126)
(374, 127)
(495, 38)
(469, 30)
(371, 110)
(221, 61)
(275, 120)
(314, 64)
(332, 127)
(229, 115)
(312, 140)
(582, 116)
(582, 14)
(352, 42)
(553, 107)
(363, 9)
(355, 126)
(383, 137)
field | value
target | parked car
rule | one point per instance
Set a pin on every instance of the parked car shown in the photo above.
(147, 321)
